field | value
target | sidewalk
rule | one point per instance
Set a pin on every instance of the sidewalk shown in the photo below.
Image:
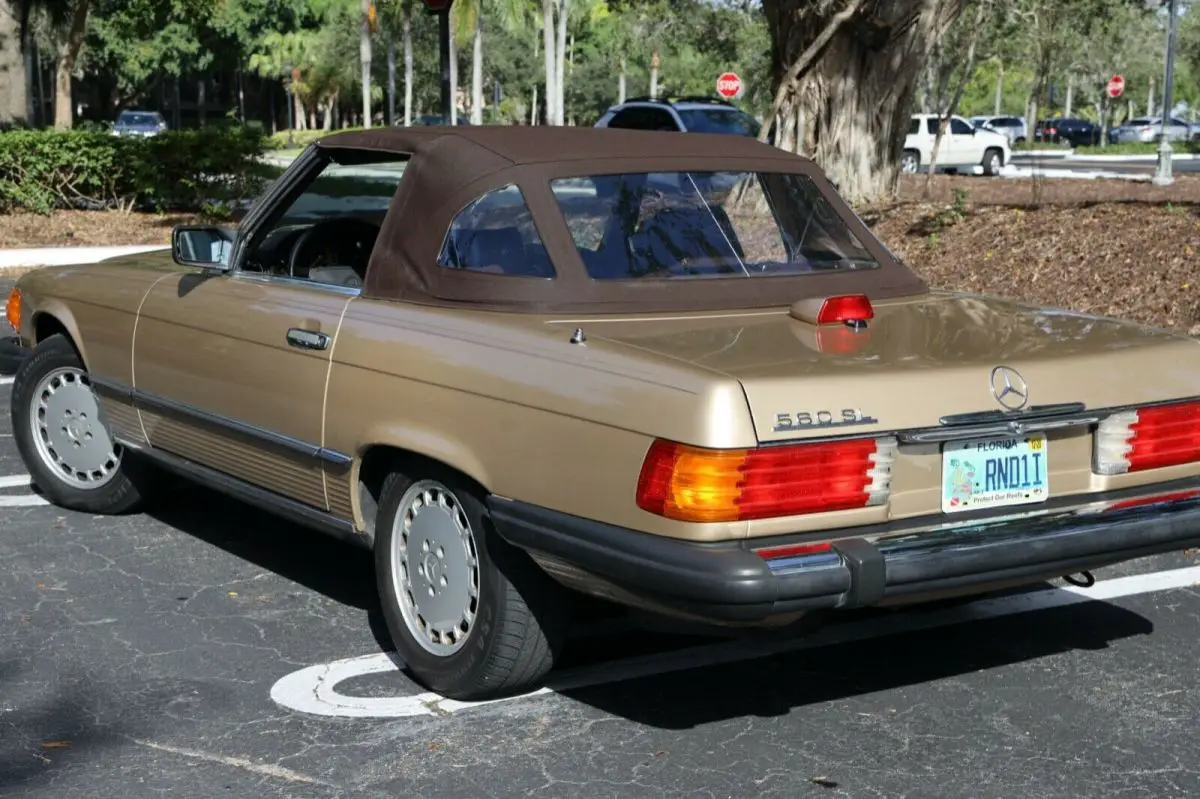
(59, 256)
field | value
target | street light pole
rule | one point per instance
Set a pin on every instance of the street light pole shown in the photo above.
(1162, 175)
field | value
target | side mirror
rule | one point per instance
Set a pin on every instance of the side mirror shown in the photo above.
(205, 247)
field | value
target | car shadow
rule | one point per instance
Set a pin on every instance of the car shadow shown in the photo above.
(291, 551)
(779, 684)
(768, 686)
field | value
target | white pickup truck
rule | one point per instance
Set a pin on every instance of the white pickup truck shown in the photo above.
(963, 147)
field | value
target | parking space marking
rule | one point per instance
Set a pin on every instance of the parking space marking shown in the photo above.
(19, 500)
(313, 689)
(6, 381)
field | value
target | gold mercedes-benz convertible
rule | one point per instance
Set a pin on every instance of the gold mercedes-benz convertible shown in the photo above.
(672, 371)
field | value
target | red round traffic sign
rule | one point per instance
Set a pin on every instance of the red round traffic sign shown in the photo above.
(1116, 85)
(729, 85)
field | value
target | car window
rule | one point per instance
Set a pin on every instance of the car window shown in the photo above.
(1139, 121)
(496, 234)
(959, 127)
(695, 225)
(931, 125)
(327, 232)
(134, 118)
(914, 127)
(643, 118)
(719, 120)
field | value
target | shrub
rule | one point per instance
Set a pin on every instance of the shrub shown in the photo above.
(177, 170)
(300, 138)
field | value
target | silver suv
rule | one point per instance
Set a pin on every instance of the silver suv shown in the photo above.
(686, 114)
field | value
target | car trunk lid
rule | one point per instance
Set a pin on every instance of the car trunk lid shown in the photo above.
(917, 361)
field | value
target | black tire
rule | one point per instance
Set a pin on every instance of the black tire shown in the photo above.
(993, 160)
(521, 614)
(910, 162)
(122, 493)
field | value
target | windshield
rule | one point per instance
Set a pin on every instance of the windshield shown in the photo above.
(719, 120)
(134, 118)
(686, 225)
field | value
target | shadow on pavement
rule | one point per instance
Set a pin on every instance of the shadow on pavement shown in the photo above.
(319, 562)
(780, 684)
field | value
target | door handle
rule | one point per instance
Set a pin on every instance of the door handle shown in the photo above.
(307, 339)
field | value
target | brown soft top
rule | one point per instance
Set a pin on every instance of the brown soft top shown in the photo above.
(449, 167)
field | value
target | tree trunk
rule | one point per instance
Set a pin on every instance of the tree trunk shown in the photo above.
(952, 106)
(858, 92)
(548, 53)
(364, 54)
(1070, 97)
(68, 52)
(13, 100)
(560, 59)
(453, 70)
(477, 72)
(999, 90)
(201, 102)
(621, 82)
(391, 87)
(1150, 99)
(533, 109)
(408, 68)
(654, 74)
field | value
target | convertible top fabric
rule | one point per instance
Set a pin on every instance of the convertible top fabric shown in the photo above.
(449, 167)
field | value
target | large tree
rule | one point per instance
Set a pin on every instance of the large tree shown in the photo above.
(13, 99)
(844, 73)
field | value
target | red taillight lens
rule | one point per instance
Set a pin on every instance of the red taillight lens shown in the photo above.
(1148, 438)
(847, 308)
(692, 484)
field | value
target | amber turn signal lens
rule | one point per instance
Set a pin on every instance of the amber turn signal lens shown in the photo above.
(693, 484)
(13, 309)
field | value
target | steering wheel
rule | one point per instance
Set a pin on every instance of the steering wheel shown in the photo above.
(345, 241)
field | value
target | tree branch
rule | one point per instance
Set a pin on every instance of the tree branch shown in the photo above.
(792, 77)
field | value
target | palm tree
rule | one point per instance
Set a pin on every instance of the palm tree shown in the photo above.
(468, 19)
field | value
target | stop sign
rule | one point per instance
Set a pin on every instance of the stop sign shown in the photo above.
(729, 85)
(1116, 85)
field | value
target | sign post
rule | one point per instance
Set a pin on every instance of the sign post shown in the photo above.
(729, 85)
(442, 9)
(1116, 86)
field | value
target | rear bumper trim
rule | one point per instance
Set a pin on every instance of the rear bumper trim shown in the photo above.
(727, 581)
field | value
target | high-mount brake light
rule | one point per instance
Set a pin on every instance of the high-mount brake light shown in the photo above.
(694, 484)
(1148, 438)
(847, 308)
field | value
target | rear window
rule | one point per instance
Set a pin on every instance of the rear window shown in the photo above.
(687, 225)
(717, 120)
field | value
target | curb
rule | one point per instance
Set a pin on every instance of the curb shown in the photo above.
(1132, 159)
(63, 256)
(1047, 154)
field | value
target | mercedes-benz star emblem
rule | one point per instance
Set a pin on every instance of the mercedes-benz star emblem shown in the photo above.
(1009, 388)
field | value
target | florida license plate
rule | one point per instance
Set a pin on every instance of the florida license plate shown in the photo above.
(994, 472)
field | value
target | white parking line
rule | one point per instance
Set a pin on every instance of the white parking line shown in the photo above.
(314, 689)
(6, 381)
(14, 480)
(22, 501)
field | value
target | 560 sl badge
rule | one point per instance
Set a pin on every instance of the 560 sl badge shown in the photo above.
(809, 420)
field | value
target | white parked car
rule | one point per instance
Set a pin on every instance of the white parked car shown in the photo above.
(963, 147)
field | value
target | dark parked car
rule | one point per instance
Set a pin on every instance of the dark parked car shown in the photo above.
(1076, 132)
(139, 123)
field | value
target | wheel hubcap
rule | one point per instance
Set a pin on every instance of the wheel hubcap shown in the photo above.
(435, 568)
(67, 430)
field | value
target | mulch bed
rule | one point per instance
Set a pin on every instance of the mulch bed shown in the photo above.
(1112, 247)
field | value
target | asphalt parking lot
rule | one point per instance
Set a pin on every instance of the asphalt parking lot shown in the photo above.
(207, 649)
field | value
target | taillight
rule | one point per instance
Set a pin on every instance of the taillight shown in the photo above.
(12, 309)
(1148, 438)
(693, 484)
(846, 308)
